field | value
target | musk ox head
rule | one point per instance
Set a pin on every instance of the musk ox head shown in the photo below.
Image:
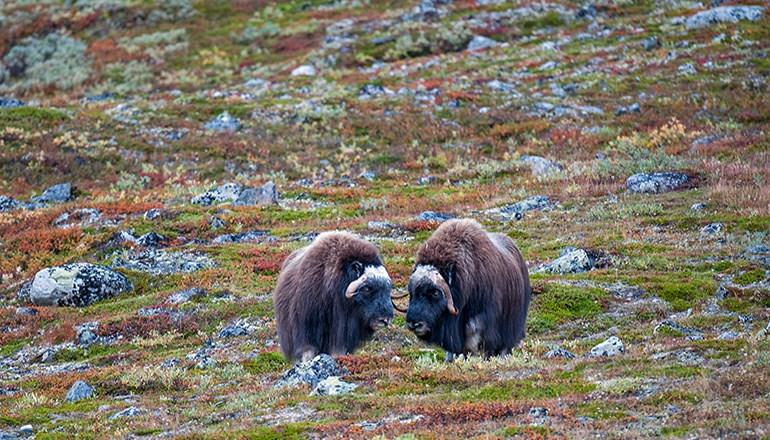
(430, 300)
(369, 293)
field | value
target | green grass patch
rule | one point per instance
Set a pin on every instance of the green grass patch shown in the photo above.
(559, 303)
(268, 362)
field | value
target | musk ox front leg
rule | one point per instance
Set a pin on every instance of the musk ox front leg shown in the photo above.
(307, 353)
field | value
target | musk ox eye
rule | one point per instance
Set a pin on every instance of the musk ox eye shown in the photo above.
(435, 293)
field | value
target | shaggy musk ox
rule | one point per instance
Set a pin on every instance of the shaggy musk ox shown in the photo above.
(469, 292)
(331, 296)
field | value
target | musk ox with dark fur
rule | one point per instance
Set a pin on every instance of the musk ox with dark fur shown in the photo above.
(331, 296)
(469, 292)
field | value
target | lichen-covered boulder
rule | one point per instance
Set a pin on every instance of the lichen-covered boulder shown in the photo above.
(76, 285)
(724, 14)
(655, 183)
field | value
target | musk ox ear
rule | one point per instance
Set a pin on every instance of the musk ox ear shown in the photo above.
(356, 269)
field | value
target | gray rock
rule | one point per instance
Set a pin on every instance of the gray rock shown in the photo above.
(10, 102)
(78, 217)
(186, 295)
(310, 372)
(539, 415)
(153, 214)
(692, 334)
(431, 216)
(515, 211)
(711, 229)
(216, 223)
(9, 204)
(650, 43)
(159, 262)
(724, 14)
(25, 311)
(267, 194)
(380, 225)
(655, 183)
(559, 352)
(79, 391)
(574, 261)
(687, 69)
(698, 207)
(244, 237)
(333, 386)
(76, 285)
(305, 70)
(427, 180)
(729, 335)
(56, 194)
(85, 334)
(479, 42)
(151, 239)
(541, 166)
(131, 411)
(223, 123)
(611, 347)
(233, 330)
(228, 192)
(633, 108)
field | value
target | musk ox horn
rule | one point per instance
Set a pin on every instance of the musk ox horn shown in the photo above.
(353, 287)
(395, 306)
(435, 277)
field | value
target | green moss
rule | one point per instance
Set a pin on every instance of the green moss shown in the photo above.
(31, 117)
(601, 411)
(750, 277)
(269, 362)
(674, 431)
(528, 431)
(549, 19)
(550, 388)
(559, 303)
(12, 347)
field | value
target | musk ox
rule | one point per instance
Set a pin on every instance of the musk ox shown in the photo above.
(331, 296)
(469, 292)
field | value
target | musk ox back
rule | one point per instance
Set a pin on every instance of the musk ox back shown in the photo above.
(331, 296)
(470, 291)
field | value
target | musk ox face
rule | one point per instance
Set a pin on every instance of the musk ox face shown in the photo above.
(430, 300)
(370, 292)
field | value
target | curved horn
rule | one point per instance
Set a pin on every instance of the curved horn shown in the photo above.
(439, 281)
(395, 306)
(353, 287)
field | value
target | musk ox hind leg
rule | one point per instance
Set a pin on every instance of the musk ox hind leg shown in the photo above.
(473, 334)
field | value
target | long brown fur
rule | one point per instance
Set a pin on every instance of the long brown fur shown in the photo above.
(312, 313)
(490, 286)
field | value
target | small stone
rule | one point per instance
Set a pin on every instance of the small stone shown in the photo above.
(310, 372)
(233, 330)
(216, 223)
(161, 262)
(380, 225)
(153, 214)
(539, 415)
(712, 229)
(687, 69)
(9, 204)
(729, 335)
(574, 261)
(541, 166)
(426, 180)
(559, 352)
(25, 311)
(76, 285)
(431, 216)
(85, 334)
(333, 386)
(78, 217)
(10, 102)
(151, 239)
(306, 70)
(480, 42)
(131, 411)
(80, 391)
(724, 14)
(267, 194)
(650, 43)
(698, 207)
(56, 194)
(224, 122)
(655, 183)
(228, 192)
(243, 237)
(186, 295)
(611, 347)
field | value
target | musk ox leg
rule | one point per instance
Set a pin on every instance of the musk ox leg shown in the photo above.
(449, 357)
(473, 331)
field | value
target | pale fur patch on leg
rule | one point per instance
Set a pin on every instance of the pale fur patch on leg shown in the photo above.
(473, 336)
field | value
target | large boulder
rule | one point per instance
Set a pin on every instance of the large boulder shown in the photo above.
(56, 194)
(724, 14)
(655, 183)
(76, 285)
(311, 372)
(227, 192)
(80, 391)
(266, 194)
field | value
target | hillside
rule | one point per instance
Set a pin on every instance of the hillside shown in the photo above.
(172, 153)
